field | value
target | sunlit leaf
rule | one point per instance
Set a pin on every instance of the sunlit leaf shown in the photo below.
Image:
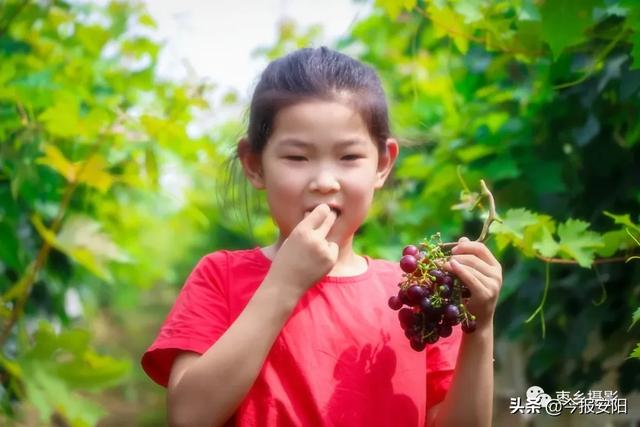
(62, 118)
(55, 159)
(578, 242)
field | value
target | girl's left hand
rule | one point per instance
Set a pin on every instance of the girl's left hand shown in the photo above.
(474, 264)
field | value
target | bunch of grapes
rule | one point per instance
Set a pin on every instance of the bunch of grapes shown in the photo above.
(434, 299)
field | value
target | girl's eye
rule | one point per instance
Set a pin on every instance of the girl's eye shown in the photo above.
(295, 158)
(351, 157)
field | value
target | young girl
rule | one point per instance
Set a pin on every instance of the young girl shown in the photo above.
(299, 333)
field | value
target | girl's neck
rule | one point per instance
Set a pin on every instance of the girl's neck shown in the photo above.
(349, 263)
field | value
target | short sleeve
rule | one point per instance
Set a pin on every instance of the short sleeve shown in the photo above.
(441, 364)
(197, 319)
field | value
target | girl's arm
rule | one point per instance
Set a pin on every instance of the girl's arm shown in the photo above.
(469, 401)
(206, 390)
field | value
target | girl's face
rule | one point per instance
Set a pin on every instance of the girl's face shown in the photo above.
(321, 152)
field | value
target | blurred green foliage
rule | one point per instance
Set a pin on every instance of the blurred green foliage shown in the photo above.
(107, 198)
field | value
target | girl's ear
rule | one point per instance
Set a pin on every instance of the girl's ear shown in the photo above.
(251, 164)
(386, 161)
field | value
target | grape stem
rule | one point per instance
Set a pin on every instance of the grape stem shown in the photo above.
(493, 216)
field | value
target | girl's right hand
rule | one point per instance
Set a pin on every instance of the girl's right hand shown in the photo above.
(306, 255)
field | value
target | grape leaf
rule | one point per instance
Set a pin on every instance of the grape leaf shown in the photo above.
(564, 22)
(514, 223)
(614, 241)
(623, 220)
(546, 244)
(578, 242)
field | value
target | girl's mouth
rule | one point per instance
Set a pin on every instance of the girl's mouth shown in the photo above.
(335, 209)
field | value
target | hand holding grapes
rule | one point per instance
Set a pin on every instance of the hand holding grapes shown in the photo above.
(446, 284)
(475, 266)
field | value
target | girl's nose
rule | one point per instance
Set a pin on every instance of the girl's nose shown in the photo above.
(325, 181)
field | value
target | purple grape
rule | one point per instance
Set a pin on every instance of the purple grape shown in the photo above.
(402, 294)
(412, 331)
(417, 343)
(468, 325)
(410, 250)
(406, 317)
(444, 330)
(395, 303)
(451, 314)
(415, 293)
(447, 280)
(408, 263)
(429, 311)
(437, 274)
(445, 291)
(432, 338)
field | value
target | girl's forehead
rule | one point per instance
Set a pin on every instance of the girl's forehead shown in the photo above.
(332, 118)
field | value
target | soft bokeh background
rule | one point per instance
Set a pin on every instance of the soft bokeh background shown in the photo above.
(116, 119)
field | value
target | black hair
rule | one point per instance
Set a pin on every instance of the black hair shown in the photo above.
(319, 73)
(308, 74)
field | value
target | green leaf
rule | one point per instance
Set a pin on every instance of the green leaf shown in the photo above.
(50, 394)
(614, 241)
(395, 7)
(82, 240)
(578, 242)
(92, 37)
(529, 11)
(635, 51)
(56, 160)
(9, 246)
(62, 118)
(470, 9)
(635, 318)
(636, 352)
(474, 152)
(92, 371)
(514, 223)
(93, 172)
(546, 244)
(449, 23)
(564, 22)
(147, 21)
(501, 168)
(624, 219)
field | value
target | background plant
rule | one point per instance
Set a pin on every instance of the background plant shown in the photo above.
(108, 196)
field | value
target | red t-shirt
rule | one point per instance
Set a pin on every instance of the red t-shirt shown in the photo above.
(340, 360)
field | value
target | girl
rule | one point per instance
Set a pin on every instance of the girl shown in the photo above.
(299, 333)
